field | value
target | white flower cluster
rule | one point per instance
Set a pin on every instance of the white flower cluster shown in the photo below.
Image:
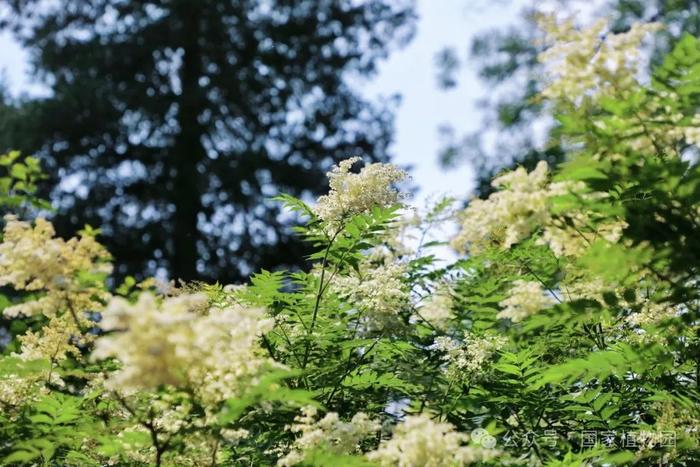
(468, 360)
(379, 292)
(644, 310)
(577, 285)
(654, 126)
(437, 308)
(564, 240)
(56, 340)
(329, 432)
(652, 313)
(420, 441)
(590, 62)
(32, 259)
(180, 341)
(509, 215)
(523, 205)
(171, 415)
(352, 193)
(16, 390)
(525, 298)
(692, 134)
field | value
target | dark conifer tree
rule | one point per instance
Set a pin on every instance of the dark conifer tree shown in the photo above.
(171, 123)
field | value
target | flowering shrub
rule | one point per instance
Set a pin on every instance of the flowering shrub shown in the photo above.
(565, 333)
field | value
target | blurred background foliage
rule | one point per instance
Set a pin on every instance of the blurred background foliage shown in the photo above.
(516, 129)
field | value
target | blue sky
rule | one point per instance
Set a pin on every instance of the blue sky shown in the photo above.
(410, 72)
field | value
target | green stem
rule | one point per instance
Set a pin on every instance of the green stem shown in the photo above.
(349, 369)
(317, 304)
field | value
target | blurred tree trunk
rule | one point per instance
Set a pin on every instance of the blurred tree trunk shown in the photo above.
(188, 151)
